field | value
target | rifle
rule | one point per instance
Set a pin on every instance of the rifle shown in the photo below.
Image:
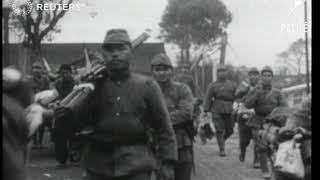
(79, 95)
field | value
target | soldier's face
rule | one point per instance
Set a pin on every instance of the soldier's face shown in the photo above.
(253, 77)
(36, 71)
(162, 73)
(117, 56)
(222, 74)
(66, 74)
(267, 77)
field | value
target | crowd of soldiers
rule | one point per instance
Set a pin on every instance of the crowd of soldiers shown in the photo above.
(143, 125)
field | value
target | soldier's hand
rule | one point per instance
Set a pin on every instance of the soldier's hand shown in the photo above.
(166, 171)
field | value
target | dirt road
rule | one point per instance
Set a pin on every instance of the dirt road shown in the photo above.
(209, 165)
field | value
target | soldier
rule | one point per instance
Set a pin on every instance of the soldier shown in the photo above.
(219, 100)
(300, 122)
(263, 98)
(245, 132)
(124, 107)
(19, 121)
(179, 101)
(38, 82)
(186, 77)
(61, 130)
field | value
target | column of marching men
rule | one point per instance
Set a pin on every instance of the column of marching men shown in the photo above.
(144, 125)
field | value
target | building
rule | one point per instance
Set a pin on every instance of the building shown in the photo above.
(73, 53)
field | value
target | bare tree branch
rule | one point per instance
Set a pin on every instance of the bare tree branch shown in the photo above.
(54, 21)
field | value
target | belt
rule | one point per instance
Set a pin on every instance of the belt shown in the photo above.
(104, 141)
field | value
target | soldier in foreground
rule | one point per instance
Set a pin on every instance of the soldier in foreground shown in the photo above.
(179, 101)
(219, 100)
(263, 98)
(300, 123)
(123, 108)
(38, 82)
(20, 119)
(245, 132)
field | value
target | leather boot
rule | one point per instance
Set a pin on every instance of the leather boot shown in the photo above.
(242, 156)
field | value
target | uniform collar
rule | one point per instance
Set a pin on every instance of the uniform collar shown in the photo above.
(119, 75)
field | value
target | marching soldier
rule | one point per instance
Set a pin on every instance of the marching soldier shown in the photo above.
(122, 110)
(179, 101)
(300, 122)
(38, 82)
(61, 130)
(186, 77)
(219, 100)
(245, 132)
(263, 98)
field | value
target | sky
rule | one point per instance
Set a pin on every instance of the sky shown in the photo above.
(259, 30)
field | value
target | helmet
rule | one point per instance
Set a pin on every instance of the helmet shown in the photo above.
(253, 70)
(161, 59)
(267, 69)
(116, 36)
(221, 68)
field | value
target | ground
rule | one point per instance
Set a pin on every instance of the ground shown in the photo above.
(209, 165)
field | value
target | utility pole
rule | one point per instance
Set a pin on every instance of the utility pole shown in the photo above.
(224, 42)
(307, 49)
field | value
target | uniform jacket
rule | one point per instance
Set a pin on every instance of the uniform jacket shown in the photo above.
(220, 96)
(263, 102)
(180, 105)
(64, 87)
(121, 110)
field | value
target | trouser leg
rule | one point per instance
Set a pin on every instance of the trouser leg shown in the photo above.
(244, 139)
(139, 176)
(261, 151)
(220, 130)
(228, 125)
(41, 134)
(183, 171)
(61, 147)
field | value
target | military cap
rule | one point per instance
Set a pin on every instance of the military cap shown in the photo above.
(161, 59)
(221, 67)
(116, 36)
(37, 64)
(253, 70)
(266, 69)
(65, 67)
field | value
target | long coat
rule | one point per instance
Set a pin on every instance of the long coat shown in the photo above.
(121, 111)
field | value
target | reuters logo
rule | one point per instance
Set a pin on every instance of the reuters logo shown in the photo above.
(18, 10)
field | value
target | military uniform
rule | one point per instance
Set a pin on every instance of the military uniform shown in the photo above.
(263, 101)
(62, 130)
(179, 101)
(122, 110)
(302, 118)
(15, 130)
(245, 132)
(219, 100)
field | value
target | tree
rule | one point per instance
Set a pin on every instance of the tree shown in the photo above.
(194, 25)
(38, 25)
(292, 61)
